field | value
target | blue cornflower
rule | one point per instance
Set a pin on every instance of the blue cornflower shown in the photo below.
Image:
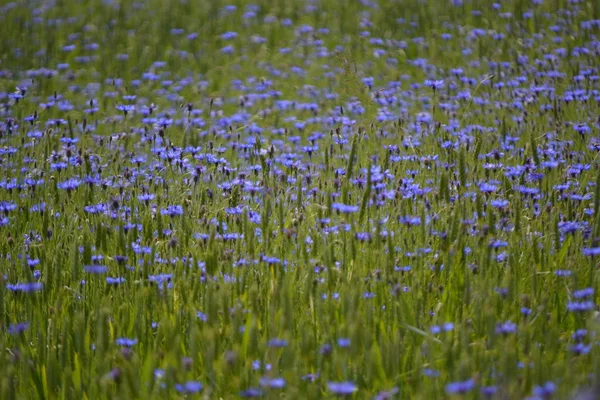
(25, 287)
(189, 387)
(277, 343)
(434, 84)
(499, 203)
(387, 394)
(591, 251)
(229, 35)
(146, 197)
(580, 349)
(251, 393)
(95, 269)
(126, 342)
(274, 383)
(342, 388)
(546, 390)
(7, 206)
(344, 208)
(203, 317)
(460, 387)
(489, 391)
(580, 306)
(583, 293)
(172, 211)
(126, 108)
(496, 244)
(506, 327)
(70, 184)
(487, 188)
(579, 334)
(17, 329)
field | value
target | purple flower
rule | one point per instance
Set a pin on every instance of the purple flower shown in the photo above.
(189, 387)
(583, 293)
(273, 383)
(342, 388)
(70, 184)
(310, 377)
(496, 244)
(17, 329)
(579, 334)
(146, 197)
(229, 35)
(546, 390)
(126, 342)
(251, 393)
(580, 306)
(591, 251)
(489, 391)
(203, 317)
(95, 269)
(277, 343)
(388, 394)
(487, 188)
(506, 328)
(26, 287)
(434, 84)
(499, 203)
(172, 211)
(344, 208)
(580, 349)
(125, 108)
(7, 206)
(460, 387)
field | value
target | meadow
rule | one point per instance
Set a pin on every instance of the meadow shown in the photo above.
(299, 199)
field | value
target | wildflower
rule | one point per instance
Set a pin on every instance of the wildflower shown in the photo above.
(342, 388)
(189, 387)
(7, 206)
(70, 184)
(591, 251)
(388, 394)
(125, 108)
(546, 390)
(26, 287)
(460, 387)
(430, 372)
(579, 334)
(126, 342)
(583, 293)
(489, 391)
(580, 349)
(434, 84)
(95, 269)
(17, 329)
(203, 317)
(506, 328)
(277, 343)
(344, 208)
(310, 377)
(251, 393)
(582, 306)
(274, 383)
(172, 211)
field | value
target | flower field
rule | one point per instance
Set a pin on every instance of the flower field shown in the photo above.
(299, 199)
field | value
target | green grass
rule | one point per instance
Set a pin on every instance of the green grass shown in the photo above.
(312, 275)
